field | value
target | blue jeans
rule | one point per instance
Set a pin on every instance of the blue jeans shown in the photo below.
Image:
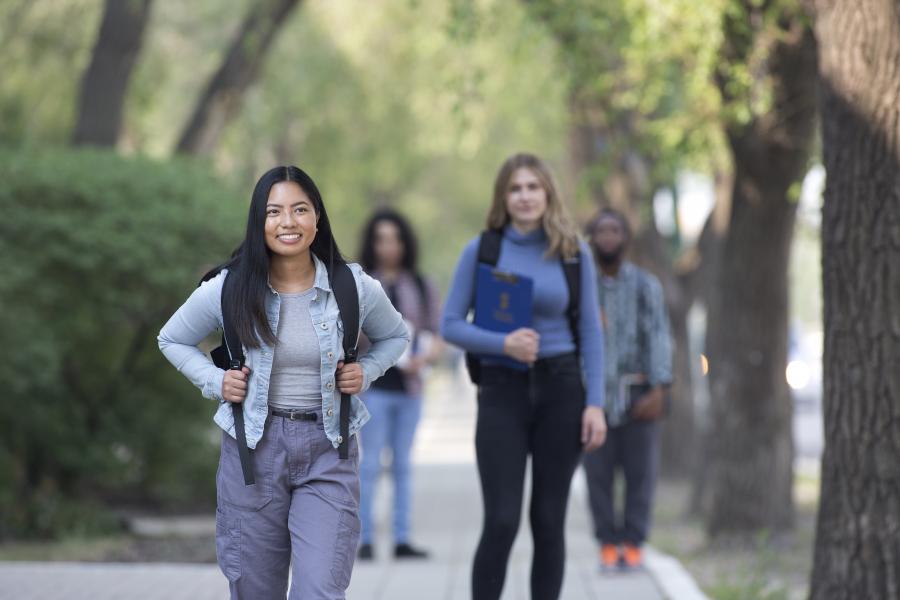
(395, 416)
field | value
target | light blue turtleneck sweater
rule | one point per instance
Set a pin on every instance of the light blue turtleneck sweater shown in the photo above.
(524, 254)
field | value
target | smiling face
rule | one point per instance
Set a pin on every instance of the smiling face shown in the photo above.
(526, 199)
(290, 220)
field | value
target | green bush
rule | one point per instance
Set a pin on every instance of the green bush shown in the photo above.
(96, 252)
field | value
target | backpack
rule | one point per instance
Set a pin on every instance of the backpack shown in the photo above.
(230, 355)
(489, 254)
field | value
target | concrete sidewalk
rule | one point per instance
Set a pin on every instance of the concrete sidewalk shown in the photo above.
(446, 521)
(448, 518)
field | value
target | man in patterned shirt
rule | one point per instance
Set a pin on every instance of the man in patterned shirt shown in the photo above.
(638, 367)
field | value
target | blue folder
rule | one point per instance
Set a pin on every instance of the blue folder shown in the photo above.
(503, 302)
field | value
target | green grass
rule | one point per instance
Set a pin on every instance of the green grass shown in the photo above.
(124, 548)
(752, 589)
(768, 566)
(67, 549)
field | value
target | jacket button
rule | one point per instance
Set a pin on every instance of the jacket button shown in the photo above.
(324, 325)
(340, 439)
(331, 355)
(329, 385)
(330, 412)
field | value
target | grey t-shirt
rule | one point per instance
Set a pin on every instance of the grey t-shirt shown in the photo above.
(296, 381)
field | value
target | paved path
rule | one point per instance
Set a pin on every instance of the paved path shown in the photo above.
(446, 521)
(448, 517)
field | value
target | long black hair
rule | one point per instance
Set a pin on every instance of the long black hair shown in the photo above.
(249, 263)
(410, 261)
(367, 256)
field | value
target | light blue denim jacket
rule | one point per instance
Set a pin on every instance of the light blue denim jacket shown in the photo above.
(201, 314)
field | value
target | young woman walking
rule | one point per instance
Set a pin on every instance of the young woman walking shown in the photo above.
(302, 510)
(552, 407)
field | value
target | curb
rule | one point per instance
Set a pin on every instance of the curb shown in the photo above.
(670, 576)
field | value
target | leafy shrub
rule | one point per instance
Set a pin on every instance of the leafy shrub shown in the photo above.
(96, 252)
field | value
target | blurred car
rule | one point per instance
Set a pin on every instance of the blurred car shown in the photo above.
(804, 369)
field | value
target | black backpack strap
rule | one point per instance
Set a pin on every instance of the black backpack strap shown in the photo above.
(235, 352)
(343, 286)
(488, 254)
(489, 246)
(572, 269)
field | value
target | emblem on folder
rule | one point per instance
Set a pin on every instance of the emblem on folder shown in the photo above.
(503, 303)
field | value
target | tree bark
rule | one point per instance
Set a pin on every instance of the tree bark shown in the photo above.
(105, 82)
(857, 548)
(222, 96)
(750, 444)
(702, 280)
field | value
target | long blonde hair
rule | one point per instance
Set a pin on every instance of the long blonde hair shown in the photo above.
(562, 234)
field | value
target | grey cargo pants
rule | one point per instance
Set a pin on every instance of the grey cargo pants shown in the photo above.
(301, 512)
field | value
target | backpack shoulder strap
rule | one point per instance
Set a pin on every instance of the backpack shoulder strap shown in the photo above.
(489, 254)
(235, 360)
(343, 285)
(489, 246)
(230, 337)
(572, 270)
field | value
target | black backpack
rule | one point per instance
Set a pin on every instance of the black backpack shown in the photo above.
(489, 254)
(230, 355)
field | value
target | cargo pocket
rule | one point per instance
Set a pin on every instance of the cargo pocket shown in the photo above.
(230, 488)
(338, 479)
(345, 549)
(228, 545)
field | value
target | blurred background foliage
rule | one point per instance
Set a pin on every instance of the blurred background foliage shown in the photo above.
(96, 252)
(405, 103)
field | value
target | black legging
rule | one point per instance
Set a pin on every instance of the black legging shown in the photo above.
(521, 413)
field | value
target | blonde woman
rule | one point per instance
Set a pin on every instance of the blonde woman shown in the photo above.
(548, 401)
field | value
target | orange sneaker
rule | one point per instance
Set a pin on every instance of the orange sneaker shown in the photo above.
(633, 556)
(609, 557)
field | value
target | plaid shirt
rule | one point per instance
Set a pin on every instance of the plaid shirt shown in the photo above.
(636, 333)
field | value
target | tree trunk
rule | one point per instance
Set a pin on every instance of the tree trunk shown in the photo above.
(751, 455)
(243, 62)
(750, 445)
(105, 82)
(857, 548)
(709, 250)
(678, 431)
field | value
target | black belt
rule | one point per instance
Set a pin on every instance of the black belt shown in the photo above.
(294, 415)
(556, 361)
(542, 364)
